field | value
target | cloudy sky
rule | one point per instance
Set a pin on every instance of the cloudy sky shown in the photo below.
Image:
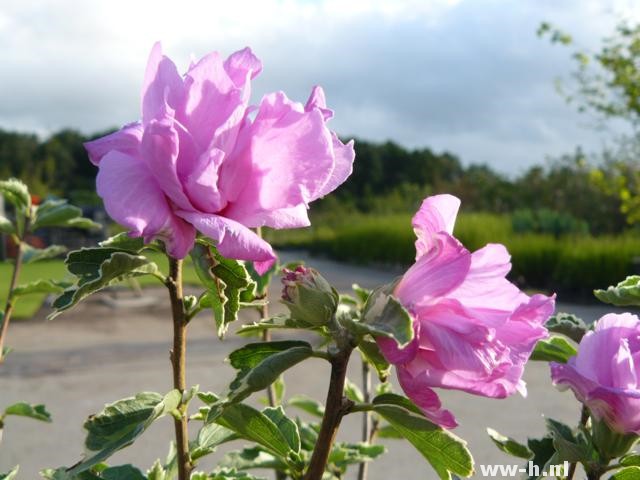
(467, 76)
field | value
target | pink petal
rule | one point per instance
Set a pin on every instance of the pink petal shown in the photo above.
(126, 140)
(242, 66)
(436, 214)
(343, 167)
(233, 239)
(286, 158)
(201, 183)
(434, 274)
(425, 398)
(162, 89)
(396, 355)
(317, 100)
(133, 198)
(160, 147)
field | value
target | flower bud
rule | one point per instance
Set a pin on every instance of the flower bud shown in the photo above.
(308, 296)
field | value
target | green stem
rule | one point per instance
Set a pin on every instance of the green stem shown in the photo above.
(178, 362)
(366, 416)
(336, 407)
(8, 310)
(584, 418)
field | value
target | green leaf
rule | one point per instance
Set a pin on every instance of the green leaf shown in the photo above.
(443, 450)
(120, 423)
(565, 442)
(255, 426)
(225, 280)
(99, 268)
(54, 213)
(353, 392)
(509, 445)
(11, 474)
(122, 472)
(252, 457)
(306, 404)
(371, 353)
(625, 293)
(398, 401)
(6, 226)
(344, 454)
(260, 364)
(277, 322)
(630, 460)
(627, 473)
(362, 294)
(209, 438)
(40, 286)
(568, 325)
(31, 255)
(287, 427)
(17, 194)
(385, 316)
(157, 472)
(387, 431)
(543, 451)
(553, 349)
(82, 223)
(22, 409)
(122, 241)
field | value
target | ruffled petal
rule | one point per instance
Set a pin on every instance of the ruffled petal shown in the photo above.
(133, 198)
(424, 397)
(126, 140)
(160, 149)
(162, 89)
(396, 355)
(233, 239)
(286, 157)
(436, 214)
(435, 274)
(201, 183)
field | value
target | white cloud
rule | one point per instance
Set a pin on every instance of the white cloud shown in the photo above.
(468, 76)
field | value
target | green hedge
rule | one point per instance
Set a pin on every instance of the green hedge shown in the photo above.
(571, 264)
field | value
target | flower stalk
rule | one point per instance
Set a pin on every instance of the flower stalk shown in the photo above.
(366, 416)
(178, 363)
(8, 310)
(336, 407)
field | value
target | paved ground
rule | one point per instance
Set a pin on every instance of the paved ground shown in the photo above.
(94, 355)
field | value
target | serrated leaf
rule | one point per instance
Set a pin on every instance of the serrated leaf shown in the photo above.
(568, 325)
(543, 451)
(16, 193)
(553, 349)
(627, 473)
(625, 293)
(277, 322)
(209, 438)
(6, 226)
(11, 474)
(384, 315)
(443, 450)
(260, 364)
(509, 445)
(97, 269)
(287, 427)
(565, 442)
(122, 241)
(250, 458)
(120, 423)
(307, 404)
(255, 426)
(31, 255)
(22, 409)
(225, 280)
(157, 472)
(40, 286)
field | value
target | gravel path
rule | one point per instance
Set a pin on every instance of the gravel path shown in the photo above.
(95, 354)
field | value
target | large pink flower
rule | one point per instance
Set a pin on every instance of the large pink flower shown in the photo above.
(202, 159)
(474, 330)
(604, 375)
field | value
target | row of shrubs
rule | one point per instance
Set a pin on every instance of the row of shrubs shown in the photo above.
(571, 264)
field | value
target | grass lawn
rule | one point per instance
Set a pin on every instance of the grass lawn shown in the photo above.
(26, 306)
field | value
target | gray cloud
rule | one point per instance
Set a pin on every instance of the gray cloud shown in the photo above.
(469, 76)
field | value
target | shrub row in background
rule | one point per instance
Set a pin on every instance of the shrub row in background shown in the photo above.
(572, 264)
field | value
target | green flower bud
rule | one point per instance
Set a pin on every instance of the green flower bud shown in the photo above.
(610, 443)
(309, 297)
